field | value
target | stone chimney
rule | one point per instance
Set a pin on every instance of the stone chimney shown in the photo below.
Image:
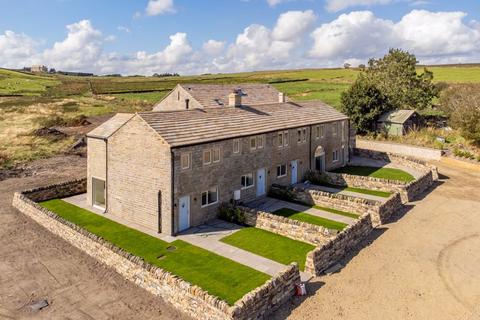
(281, 97)
(234, 99)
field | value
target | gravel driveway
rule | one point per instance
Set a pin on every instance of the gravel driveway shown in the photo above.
(425, 265)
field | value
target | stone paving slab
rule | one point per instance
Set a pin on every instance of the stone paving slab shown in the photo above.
(271, 204)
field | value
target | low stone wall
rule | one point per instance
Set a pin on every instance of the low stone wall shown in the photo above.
(380, 211)
(290, 228)
(348, 180)
(322, 257)
(403, 149)
(188, 298)
(61, 190)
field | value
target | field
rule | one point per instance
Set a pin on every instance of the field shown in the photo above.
(30, 102)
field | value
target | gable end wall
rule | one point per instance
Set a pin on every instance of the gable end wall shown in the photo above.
(139, 167)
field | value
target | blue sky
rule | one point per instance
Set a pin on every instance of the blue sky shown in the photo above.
(232, 35)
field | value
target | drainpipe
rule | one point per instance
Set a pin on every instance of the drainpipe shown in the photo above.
(106, 174)
(173, 193)
(310, 150)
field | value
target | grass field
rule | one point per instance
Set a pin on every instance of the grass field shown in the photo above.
(219, 276)
(270, 245)
(26, 98)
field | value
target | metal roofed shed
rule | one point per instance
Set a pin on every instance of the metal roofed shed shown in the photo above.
(398, 122)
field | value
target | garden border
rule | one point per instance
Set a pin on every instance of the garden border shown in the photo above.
(184, 296)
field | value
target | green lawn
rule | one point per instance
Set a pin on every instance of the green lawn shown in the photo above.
(377, 172)
(308, 218)
(219, 276)
(270, 245)
(342, 213)
(377, 193)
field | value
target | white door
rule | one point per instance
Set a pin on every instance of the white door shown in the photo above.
(294, 172)
(260, 182)
(184, 219)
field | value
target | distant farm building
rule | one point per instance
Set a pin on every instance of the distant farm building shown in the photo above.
(398, 122)
(38, 68)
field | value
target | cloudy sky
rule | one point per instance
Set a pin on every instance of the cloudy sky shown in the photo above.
(200, 36)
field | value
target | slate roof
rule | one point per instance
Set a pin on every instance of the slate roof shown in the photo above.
(396, 116)
(107, 128)
(188, 127)
(216, 95)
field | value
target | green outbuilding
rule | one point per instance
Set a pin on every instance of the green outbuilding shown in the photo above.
(398, 122)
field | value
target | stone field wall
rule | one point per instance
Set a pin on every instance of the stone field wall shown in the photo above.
(188, 298)
(290, 228)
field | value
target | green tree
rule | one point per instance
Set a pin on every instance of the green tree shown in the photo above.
(363, 102)
(395, 75)
(462, 104)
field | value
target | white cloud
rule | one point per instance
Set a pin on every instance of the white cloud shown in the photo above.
(354, 35)
(338, 5)
(429, 35)
(157, 7)
(16, 49)
(437, 33)
(293, 24)
(213, 47)
(80, 50)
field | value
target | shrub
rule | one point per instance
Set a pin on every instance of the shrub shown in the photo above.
(462, 104)
(282, 193)
(317, 177)
(231, 213)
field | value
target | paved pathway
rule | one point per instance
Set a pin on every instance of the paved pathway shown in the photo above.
(270, 205)
(208, 237)
(344, 192)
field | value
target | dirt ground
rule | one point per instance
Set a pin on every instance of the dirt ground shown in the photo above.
(34, 264)
(424, 265)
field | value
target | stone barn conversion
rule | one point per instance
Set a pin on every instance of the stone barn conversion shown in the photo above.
(398, 122)
(170, 169)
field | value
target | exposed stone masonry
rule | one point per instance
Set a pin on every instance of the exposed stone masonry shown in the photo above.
(322, 257)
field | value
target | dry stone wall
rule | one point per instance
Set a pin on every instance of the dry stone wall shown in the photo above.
(293, 229)
(322, 257)
(188, 298)
(380, 211)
